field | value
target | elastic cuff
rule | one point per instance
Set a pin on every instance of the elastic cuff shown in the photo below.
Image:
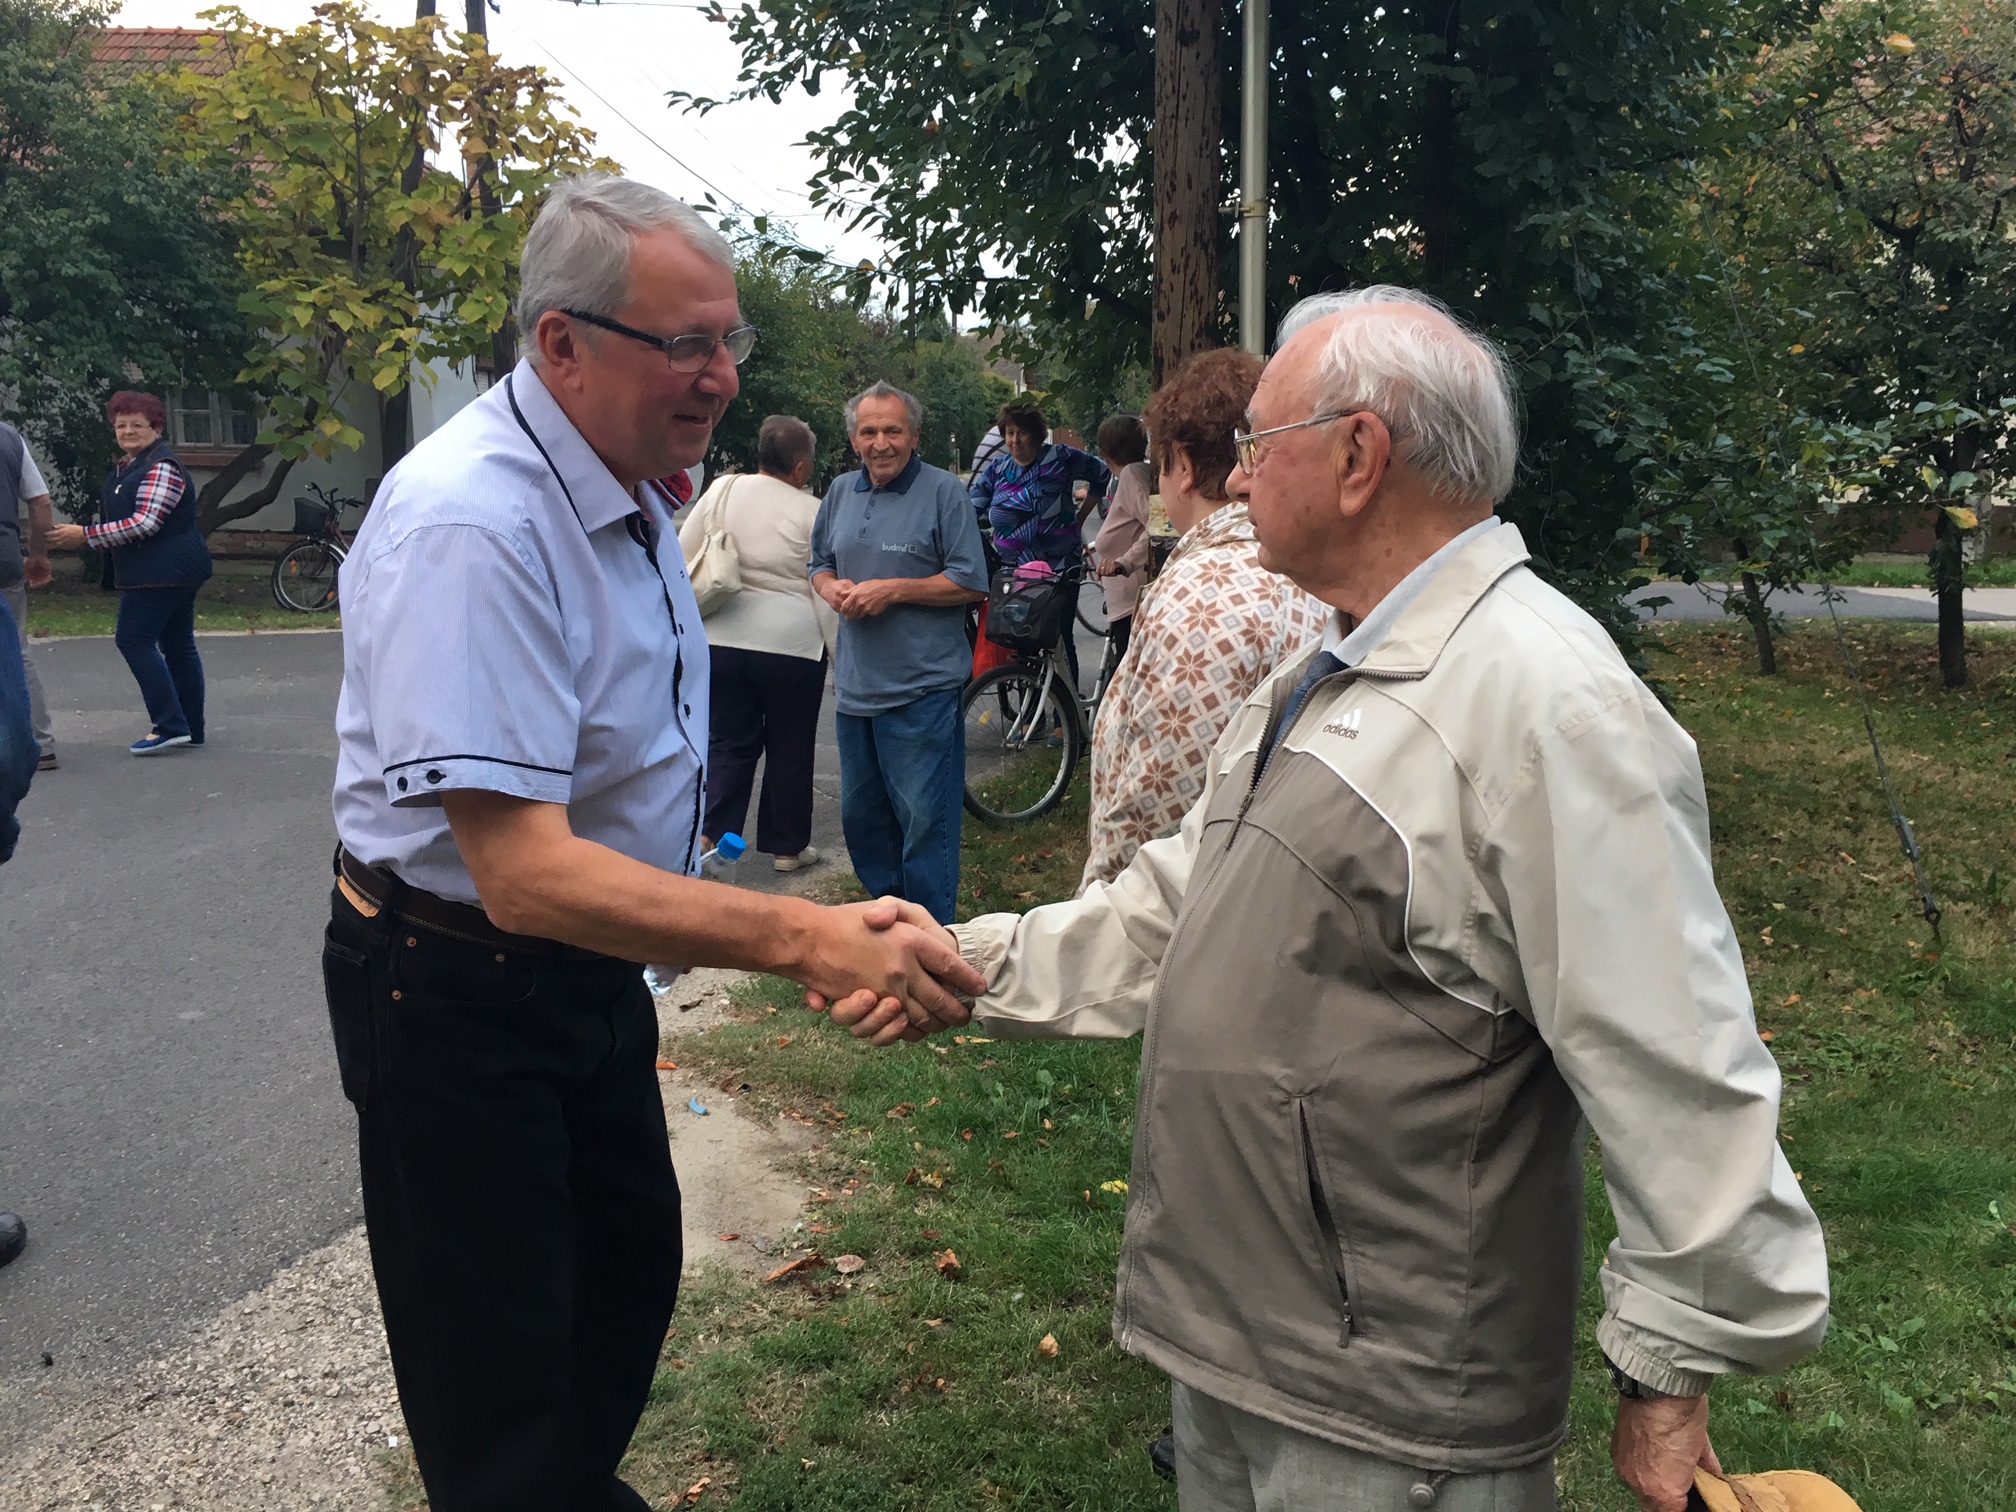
(982, 948)
(1646, 1368)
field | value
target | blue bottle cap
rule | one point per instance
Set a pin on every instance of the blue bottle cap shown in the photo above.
(731, 846)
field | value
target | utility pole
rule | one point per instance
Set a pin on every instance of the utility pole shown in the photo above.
(479, 19)
(1253, 180)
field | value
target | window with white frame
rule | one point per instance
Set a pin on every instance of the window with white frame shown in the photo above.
(204, 417)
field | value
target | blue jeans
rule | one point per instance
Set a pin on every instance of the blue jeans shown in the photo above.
(902, 779)
(156, 634)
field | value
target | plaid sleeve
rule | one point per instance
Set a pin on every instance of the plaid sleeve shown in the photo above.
(160, 491)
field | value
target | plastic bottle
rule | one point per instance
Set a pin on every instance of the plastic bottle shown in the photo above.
(728, 849)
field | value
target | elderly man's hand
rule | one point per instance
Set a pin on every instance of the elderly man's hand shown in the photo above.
(885, 963)
(36, 572)
(1657, 1445)
(882, 1019)
(865, 600)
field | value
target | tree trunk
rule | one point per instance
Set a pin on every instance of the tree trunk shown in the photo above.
(1436, 201)
(1189, 176)
(395, 428)
(1759, 614)
(212, 511)
(1949, 580)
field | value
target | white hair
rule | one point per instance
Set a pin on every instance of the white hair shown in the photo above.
(577, 254)
(882, 390)
(1444, 390)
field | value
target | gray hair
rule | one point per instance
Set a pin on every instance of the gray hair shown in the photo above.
(881, 390)
(782, 443)
(1444, 391)
(577, 254)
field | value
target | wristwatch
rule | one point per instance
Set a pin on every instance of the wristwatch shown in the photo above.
(1628, 1387)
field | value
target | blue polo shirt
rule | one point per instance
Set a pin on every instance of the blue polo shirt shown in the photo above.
(916, 525)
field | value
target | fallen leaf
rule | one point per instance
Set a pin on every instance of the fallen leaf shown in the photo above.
(847, 1265)
(932, 1104)
(822, 1228)
(1848, 858)
(1765, 1036)
(1790, 1000)
(728, 1238)
(697, 1490)
(940, 1385)
(1047, 1346)
(930, 1234)
(1012, 1134)
(901, 1110)
(783, 1040)
(966, 1134)
(1047, 1124)
(665, 1065)
(947, 1262)
(1112, 1186)
(678, 1364)
(792, 1267)
(933, 1179)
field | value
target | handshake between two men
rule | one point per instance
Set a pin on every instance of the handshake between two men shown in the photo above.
(883, 1017)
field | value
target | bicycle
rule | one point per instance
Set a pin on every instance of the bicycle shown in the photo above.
(1027, 727)
(304, 579)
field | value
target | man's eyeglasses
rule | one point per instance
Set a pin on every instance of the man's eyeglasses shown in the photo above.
(1246, 444)
(683, 354)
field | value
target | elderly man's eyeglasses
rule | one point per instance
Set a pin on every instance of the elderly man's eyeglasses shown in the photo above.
(1246, 444)
(683, 354)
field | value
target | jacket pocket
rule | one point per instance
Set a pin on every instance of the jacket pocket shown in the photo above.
(1332, 1254)
(346, 981)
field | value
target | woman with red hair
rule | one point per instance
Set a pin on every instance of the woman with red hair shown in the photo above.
(155, 557)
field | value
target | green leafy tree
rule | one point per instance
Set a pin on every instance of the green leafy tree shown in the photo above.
(394, 172)
(115, 271)
(1882, 167)
(1511, 156)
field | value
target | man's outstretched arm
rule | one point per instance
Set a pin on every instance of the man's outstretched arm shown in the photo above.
(537, 877)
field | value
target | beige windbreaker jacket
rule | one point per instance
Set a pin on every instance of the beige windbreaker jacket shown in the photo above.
(1467, 905)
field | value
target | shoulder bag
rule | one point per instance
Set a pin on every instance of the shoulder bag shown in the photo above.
(716, 568)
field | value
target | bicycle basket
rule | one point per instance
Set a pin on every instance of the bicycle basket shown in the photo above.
(311, 518)
(1027, 616)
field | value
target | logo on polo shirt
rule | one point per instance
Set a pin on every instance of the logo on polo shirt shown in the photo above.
(1347, 726)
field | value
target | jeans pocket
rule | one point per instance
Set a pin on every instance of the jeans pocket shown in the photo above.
(346, 981)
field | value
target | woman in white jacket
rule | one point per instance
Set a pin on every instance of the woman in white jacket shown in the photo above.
(769, 643)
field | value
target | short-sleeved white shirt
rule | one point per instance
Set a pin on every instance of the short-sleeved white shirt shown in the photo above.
(504, 630)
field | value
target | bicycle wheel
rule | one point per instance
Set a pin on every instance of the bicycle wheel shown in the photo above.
(1022, 743)
(304, 579)
(1092, 608)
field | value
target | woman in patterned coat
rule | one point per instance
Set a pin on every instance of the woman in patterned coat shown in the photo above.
(1207, 632)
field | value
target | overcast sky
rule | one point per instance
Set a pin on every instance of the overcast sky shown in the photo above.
(630, 54)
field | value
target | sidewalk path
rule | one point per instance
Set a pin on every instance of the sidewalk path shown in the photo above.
(170, 1121)
(1693, 602)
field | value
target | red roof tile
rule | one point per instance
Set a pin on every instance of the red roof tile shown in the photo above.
(148, 49)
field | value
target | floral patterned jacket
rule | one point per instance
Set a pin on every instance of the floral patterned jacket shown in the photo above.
(1208, 632)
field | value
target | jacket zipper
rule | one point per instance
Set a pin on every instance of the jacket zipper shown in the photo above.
(1326, 1223)
(1263, 758)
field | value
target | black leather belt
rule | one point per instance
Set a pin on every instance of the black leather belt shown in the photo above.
(382, 890)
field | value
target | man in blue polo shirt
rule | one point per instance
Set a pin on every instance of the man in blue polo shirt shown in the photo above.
(896, 552)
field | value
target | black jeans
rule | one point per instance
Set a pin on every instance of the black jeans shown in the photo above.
(156, 633)
(520, 1201)
(766, 705)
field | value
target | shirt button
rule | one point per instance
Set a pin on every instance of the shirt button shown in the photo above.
(402, 784)
(433, 774)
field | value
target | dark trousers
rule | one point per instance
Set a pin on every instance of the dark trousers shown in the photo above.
(1119, 632)
(520, 1201)
(156, 633)
(902, 784)
(766, 705)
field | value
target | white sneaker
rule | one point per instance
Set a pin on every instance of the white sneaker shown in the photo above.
(806, 857)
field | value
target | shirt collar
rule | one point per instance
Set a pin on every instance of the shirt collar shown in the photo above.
(1359, 643)
(597, 497)
(898, 484)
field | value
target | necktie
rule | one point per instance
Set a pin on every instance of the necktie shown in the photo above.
(1322, 667)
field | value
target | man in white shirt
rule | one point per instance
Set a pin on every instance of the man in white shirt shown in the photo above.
(24, 497)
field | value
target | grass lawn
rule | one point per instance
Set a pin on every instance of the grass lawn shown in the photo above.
(917, 1384)
(239, 597)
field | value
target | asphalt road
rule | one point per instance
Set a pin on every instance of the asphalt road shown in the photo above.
(1986, 605)
(170, 1121)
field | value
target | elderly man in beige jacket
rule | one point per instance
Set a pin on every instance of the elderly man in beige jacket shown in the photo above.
(1444, 907)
